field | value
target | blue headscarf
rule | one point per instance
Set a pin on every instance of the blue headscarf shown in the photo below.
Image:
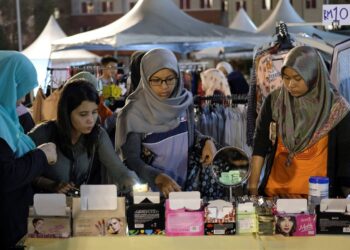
(17, 78)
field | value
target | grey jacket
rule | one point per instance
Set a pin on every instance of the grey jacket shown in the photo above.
(78, 169)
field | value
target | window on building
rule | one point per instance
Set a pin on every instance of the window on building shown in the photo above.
(188, 4)
(185, 4)
(83, 7)
(107, 6)
(266, 4)
(310, 4)
(90, 8)
(224, 5)
(241, 4)
(206, 4)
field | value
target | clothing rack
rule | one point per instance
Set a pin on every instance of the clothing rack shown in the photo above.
(233, 99)
(193, 66)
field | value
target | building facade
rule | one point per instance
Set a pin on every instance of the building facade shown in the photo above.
(92, 14)
(260, 10)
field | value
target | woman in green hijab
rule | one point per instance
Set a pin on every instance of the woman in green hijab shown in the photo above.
(303, 129)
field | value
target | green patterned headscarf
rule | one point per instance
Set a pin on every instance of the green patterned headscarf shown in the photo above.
(303, 121)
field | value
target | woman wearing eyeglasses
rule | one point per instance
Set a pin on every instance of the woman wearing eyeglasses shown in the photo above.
(155, 130)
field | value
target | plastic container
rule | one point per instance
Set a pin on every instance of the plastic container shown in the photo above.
(318, 190)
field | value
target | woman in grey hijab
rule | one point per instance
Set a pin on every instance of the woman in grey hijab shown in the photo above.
(305, 124)
(155, 130)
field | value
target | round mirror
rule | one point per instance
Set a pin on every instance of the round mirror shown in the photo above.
(231, 167)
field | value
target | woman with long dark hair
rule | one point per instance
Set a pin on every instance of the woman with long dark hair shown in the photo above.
(85, 152)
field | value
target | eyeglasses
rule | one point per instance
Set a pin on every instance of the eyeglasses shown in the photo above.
(158, 82)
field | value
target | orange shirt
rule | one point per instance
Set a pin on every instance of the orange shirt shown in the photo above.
(293, 180)
(103, 111)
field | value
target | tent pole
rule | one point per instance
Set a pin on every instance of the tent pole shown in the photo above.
(19, 28)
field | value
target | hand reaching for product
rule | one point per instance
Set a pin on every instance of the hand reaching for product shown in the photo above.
(166, 184)
(208, 153)
(63, 187)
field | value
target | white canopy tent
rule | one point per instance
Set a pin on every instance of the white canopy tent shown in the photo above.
(157, 23)
(243, 22)
(39, 52)
(285, 12)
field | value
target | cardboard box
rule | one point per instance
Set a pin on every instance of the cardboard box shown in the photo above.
(49, 217)
(292, 218)
(333, 216)
(99, 212)
(219, 218)
(146, 216)
(183, 214)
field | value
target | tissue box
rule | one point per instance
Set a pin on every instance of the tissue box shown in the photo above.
(49, 226)
(292, 218)
(183, 214)
(333, 216)
(99, 222)
(219, 218)
(246, 218)
(295, 224)
(146, 216)
(49, 217)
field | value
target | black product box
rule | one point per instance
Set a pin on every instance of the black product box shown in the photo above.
(147, 215)
(333, 216)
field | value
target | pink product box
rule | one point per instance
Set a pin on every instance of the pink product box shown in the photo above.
(183, 222)
(296, 224)
(292, 218)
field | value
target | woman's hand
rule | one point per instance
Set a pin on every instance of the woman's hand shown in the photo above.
(208, 152)
(63, 187)
(50, 152)
(166, 184)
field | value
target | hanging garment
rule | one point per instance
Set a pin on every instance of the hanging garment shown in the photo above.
(45, 108)
(340, 75)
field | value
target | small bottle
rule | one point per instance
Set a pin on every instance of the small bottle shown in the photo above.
(318, 190)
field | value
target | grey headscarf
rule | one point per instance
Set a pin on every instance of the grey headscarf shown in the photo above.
(85, 76)
(144, 111)
(302, 121)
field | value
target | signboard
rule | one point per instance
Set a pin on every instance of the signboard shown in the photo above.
(338, 14)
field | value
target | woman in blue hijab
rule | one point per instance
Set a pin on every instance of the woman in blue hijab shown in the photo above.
(20, 161)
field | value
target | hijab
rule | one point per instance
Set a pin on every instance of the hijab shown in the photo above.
(135, 74)
(226, 66)
(84, 76)
(17, 78)
(304, 120)
(144, 111)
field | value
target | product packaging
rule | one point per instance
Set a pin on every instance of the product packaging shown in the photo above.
(99, 212)
(49, 217)
(146, 216)
(184, 214)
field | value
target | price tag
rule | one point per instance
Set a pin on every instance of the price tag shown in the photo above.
(336, 13)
